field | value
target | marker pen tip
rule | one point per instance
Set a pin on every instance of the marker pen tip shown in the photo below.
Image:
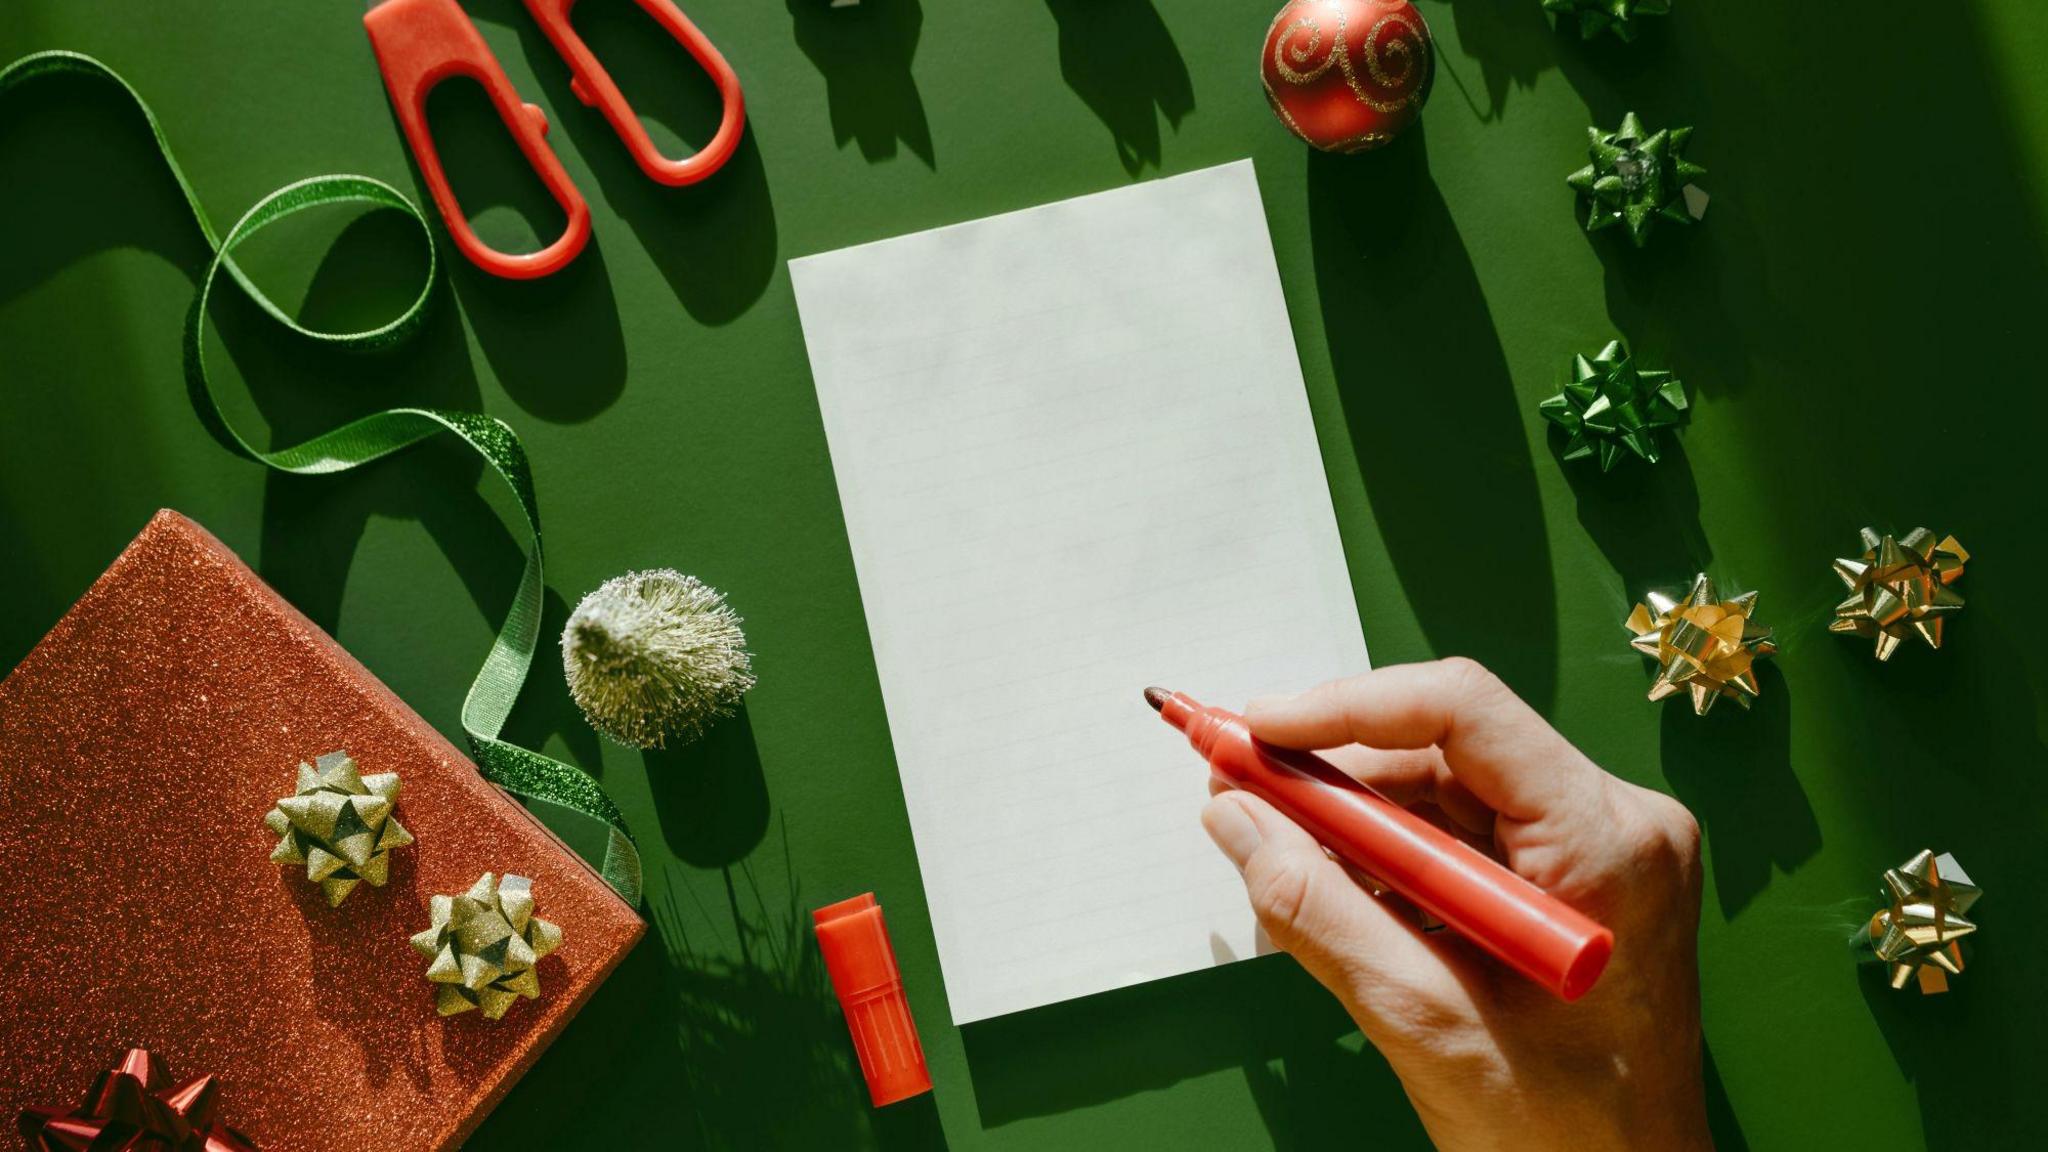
(1156, 697)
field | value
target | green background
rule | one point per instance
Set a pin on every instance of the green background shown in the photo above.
(1859, 320)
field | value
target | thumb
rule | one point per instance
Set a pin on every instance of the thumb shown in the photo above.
(1311, 908)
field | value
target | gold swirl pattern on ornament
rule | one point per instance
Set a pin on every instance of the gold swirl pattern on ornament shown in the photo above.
(1284, 45)
(1408, 44)
(1287, 117)
(1400, 47)
(1363, 142)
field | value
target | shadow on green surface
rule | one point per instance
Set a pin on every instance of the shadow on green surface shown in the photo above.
(1721, 1119)
(1842, 303)
(611, 1080)
(312, 526)
(1870, 275)
(99, 183)
(1734, 770)
(1435, 423)
(1511, 39)
(756, 1008)
(1951, 762)
(1763, 83)
(1324, 1096)
(1698, 299)
(1645, 518)
(865, 53)
(1120, 59)
(710, 796)
(719, 1032)
(545, 709)
(713, 241)
(554, 343)
(81, 175)
(1969, 1098)
(501, 193)
(1314, 1085)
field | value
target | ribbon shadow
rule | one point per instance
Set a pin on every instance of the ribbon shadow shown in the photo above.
(313, 526)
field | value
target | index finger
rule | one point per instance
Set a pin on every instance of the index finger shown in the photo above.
(1507, 755)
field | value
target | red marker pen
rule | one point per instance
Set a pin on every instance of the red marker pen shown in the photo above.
(1528, 929)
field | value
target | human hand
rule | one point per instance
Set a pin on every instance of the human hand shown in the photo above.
(1489, 1058)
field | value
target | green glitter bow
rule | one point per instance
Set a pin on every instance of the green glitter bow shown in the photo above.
(1596, 16)
(339, 825)
(1611, 406)
(1636, 179)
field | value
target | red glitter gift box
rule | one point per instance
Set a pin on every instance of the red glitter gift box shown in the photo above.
(141, 744)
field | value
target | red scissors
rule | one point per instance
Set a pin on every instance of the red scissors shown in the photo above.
(420, 43)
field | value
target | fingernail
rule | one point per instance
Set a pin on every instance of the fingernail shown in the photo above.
(1259, 704)
(1231, 827)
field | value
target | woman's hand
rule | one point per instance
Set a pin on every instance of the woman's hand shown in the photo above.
(1490, 1059)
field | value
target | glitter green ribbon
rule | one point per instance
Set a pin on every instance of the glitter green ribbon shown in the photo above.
(484, 711)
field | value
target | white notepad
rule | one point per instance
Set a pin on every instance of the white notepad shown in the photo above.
(1076, 458)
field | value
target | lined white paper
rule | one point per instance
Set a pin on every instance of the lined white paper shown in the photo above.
(1075, 456)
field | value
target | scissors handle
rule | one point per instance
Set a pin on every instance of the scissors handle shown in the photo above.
(420, 43)
(594, 86)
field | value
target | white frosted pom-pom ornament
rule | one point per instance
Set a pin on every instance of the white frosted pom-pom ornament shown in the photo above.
(653, 657)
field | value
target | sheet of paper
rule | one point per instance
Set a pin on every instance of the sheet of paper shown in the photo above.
(1075, 456)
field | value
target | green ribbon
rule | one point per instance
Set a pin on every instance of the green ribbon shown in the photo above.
(522, 772)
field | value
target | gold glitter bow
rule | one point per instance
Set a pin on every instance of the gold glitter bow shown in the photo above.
(1916, 935)
(1899, 587)
(484, 944)
(339, 825)
(1702, 643)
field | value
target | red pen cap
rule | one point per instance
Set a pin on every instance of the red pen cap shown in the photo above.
(855, 942)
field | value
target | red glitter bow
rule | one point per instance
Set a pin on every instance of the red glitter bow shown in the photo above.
(130, 1109)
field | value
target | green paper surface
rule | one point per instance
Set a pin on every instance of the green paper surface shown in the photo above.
(1857, 324)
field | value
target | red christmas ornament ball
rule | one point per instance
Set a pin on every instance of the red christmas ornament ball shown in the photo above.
(1347, 75)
